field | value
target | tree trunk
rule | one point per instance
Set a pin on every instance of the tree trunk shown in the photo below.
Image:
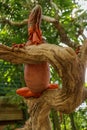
(55, 120)
(72, 122)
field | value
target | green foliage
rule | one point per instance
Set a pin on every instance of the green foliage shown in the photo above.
(13, 127)
(54, 78)
(10, 80)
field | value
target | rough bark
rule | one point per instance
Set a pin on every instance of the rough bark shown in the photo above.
(71, 69)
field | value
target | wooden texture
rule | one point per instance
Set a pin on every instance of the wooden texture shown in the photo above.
(8, 111)
(71, 69)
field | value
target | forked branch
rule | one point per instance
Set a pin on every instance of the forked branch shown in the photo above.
(70, 68)
(64, 59)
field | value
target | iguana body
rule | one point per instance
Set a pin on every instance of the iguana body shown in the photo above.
(37, 76)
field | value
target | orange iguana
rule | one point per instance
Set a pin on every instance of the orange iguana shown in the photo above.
(37, 76)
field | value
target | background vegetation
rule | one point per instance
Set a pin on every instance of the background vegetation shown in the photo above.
(72, 24)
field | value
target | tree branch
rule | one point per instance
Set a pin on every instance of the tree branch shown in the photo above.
(12, 23)
(84, 53)
(64, 60)
(63, 35)
(25, 21)
(54, 6)
(70, 68)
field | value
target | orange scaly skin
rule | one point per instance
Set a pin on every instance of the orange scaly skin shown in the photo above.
(37, 76)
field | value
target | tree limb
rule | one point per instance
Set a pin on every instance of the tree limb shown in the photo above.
(63, 35)
(64, 60)
(12, 23)
(25, 21)
(70, 68)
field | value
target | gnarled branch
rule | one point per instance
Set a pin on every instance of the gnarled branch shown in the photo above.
(70, 68)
